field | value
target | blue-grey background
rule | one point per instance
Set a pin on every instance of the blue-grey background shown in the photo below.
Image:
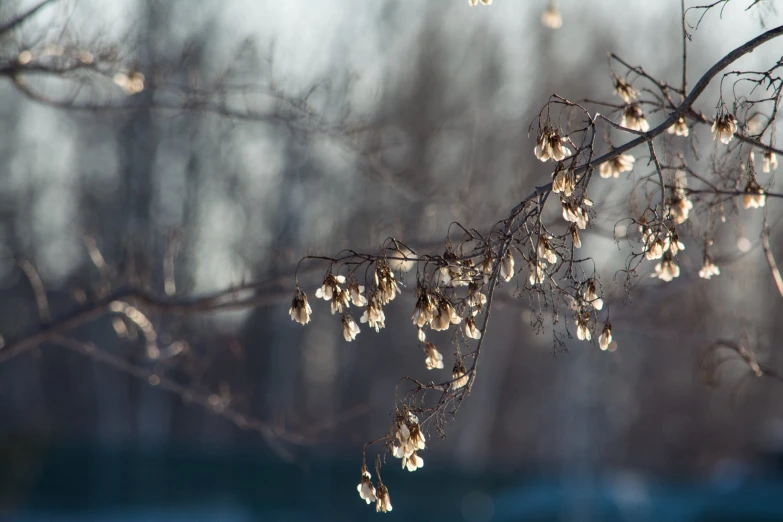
(438, 98)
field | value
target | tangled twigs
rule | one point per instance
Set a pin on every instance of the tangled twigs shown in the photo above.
(235, 298)
(210, 402)
(135, 305)
(713, 359)
(773, 266)
(19, 19)
(457, 286)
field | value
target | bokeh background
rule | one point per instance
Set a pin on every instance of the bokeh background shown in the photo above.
(418, 115)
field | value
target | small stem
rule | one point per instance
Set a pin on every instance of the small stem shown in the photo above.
(773, 266)
(684, 50)
(654, 158)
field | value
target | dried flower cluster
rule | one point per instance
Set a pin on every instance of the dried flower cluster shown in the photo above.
(507, 266)
(606, 337)
(373, 315)
(455, 288)
(365, 488)
(332, 291)
(459, 376)
(616, 166)
(770, 162)
(551, 145)
(708, 269)
(575, 211)
(754, 196)
(563, 182)
(724, 127)
(583, 326)
(591, 295)
(667, 269)
(625, 90)
(130, 82)
(551, 16)
(300, 309)
(406, 439)
(679, 206)
(383, 505)
(434, 358)
(385, 288)
(679, 128)
(633, 118)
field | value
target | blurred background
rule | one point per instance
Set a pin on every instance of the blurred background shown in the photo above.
(358, 120)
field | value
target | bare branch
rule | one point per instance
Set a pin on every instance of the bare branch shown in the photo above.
(210, 402)
(770, 258)
(19, 19)
(38, 289)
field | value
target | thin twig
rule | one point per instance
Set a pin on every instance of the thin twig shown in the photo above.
(94, 311)
(684, 49)
(21, 18)
(773, 266)
(41, 300)
(654, 158)
(271, 435)
(681, 110)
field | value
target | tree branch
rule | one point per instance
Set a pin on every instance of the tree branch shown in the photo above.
(770, 258)
(681, 110)
(21, 18)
